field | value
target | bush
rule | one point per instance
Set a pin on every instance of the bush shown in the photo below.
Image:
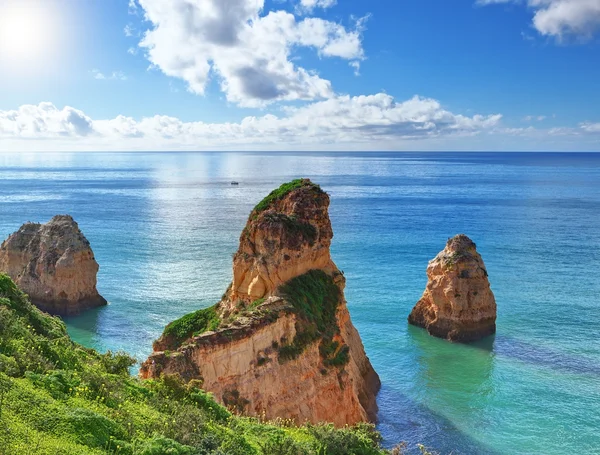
(281, 444)
(315, 298)
(294, 227)
(118, 363)
(159, 445)
(281, 192)
(64, 399)
(360, 440)
(191, 325)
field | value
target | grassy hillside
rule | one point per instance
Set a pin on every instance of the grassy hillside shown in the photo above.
(59, 398)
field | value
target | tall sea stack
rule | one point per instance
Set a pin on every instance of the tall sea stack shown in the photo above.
(458, 303)
(54, 264)
(280, 343)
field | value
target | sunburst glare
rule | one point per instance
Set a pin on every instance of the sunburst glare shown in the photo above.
(29, 33)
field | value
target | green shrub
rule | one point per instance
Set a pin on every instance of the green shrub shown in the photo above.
(334, 354)
(192, 324)
(360, 440)
(281, 192)
(159, 445)
(294, 227)
(64, 399)
(315, 298)
(281, 444)
(118, 363)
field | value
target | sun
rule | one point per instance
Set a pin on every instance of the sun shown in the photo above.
(25, 31)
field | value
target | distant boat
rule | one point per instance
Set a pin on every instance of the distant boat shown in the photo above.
(234, 183)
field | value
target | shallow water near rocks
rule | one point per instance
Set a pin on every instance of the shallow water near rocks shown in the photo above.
(164, 226)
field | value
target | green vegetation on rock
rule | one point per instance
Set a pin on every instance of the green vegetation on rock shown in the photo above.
(281, 192)
(315, 298)
(295, 228)
(59, 398)
(192, 324)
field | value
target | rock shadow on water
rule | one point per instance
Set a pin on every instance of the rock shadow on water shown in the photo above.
(542, 356)
(418, 424)
(443, 365)
(450, 383)
(84, 327)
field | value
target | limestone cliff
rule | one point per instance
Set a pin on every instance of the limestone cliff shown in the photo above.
(458, 303)
(54, 264)
(280, 343)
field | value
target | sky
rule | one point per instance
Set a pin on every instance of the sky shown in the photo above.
(82, 75)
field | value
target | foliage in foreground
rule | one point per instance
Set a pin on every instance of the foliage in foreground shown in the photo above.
(59, 398)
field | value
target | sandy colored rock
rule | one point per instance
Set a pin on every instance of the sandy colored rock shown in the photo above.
(458, 303)
(54, 264)
(294, 233)
(241, 361)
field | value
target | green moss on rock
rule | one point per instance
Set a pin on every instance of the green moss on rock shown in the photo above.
(192, 324)
(315, 298)
(281, 192)
(294, 227)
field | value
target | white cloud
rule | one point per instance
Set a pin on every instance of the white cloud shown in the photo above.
(590, 127)
(566, 17)
(560, 18)
(114, 76)
(530, 118)
(98, 75)
(129, 30)
(367, 120)
(132, 7)
(250, 53)
(310, 5)
(44, 121)
(356, 65)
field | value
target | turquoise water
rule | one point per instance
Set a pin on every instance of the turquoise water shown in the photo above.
(164, 227)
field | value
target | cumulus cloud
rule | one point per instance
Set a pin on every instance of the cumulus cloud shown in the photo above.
(247, 51)
(560, 18)
(340, 120)
(44, 121)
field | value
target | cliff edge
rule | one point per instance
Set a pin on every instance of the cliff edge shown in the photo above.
(54, 264)
(280, 343)
(458, 303)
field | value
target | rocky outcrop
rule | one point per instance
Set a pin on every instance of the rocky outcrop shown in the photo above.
(280, 343)
(54, 264)
(458, 303)
(293, 232)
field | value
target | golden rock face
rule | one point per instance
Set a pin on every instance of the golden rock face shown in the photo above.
(54, 264)
(289, 237)
(241, 362)
(458, 303)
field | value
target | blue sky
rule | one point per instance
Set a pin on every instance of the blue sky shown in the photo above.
(300, 75)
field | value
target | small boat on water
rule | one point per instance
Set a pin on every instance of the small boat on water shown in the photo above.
(234, 183)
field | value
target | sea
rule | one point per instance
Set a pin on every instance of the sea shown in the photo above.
(164, 226)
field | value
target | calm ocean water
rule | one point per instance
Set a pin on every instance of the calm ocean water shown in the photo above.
(164, 226)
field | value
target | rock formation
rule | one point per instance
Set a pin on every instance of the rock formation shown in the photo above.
(280, 343)
(54, 264)
(458, 303)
